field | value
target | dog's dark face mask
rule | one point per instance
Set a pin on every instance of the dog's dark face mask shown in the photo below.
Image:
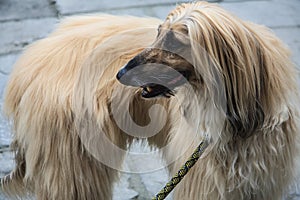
(162, 67)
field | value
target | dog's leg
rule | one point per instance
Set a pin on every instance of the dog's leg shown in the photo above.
(64, 162)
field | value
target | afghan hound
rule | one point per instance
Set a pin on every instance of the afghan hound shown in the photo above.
(75, 109)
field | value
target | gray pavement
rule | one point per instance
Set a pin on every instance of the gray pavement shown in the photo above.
(23, 22)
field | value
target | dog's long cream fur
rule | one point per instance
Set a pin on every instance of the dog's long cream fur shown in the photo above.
(52, 88)
(62, 87)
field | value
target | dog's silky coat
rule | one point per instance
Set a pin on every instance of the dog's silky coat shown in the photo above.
(62, 88)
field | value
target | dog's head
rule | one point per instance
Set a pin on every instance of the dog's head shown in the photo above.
(177, 56)
(217, 54)
(163, 66)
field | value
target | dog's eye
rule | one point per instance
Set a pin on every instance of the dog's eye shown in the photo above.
(185, 30)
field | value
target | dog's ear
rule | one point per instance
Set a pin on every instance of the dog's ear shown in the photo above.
(243, 123)
(236, 91)
(245, 87)
(255, 80)
(233, 69)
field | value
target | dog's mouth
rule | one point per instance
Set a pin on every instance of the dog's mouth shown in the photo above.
(166, 88)
(157, 82)
(153, 90)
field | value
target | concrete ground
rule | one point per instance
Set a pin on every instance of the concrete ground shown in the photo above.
(23, 22)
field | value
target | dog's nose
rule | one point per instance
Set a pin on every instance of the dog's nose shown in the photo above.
(125, 76)
(126, 73)
(130, 65)
(121, 73)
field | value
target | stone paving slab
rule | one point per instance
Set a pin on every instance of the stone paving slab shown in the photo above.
(67, 7)
(158, 11)
(149, 171)
(7, 62)
(153, 184)
(17, 34)
(277, 13)
(79, 6)
(24, 9)
(122, 189)
(291, 37)
(239, 0)
(5, 163)
(5, 136)
(3, 81)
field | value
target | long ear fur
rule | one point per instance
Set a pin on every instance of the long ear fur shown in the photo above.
(239, 67)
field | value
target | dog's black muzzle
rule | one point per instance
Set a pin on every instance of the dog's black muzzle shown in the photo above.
(151, 71)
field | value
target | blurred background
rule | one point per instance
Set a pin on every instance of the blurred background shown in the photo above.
(25, 21)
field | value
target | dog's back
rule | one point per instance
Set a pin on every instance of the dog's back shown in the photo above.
(41, 101)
